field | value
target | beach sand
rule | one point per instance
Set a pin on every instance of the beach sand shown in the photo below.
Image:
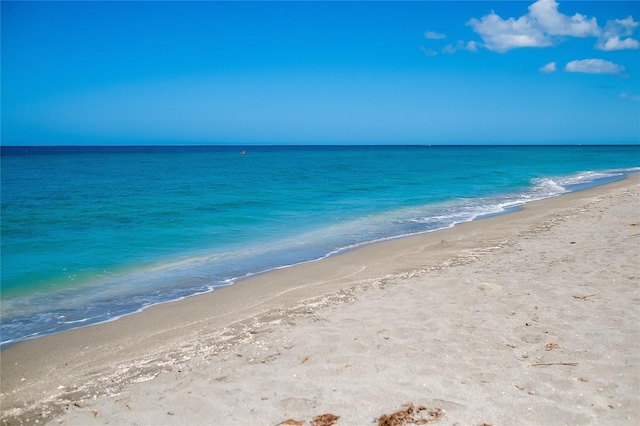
(529, 318)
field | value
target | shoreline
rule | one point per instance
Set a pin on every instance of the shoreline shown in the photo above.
(624, 174)
(40, 376)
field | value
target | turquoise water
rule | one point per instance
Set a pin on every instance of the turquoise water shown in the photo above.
(93, 233)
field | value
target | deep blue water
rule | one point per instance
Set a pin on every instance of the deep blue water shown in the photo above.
(93, 233)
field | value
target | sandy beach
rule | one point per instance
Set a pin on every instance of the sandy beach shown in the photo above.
(528, 318)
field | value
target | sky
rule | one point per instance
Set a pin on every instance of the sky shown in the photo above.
(417, 72)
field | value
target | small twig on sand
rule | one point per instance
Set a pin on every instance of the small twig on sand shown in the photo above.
(584, 297)
(546, 364)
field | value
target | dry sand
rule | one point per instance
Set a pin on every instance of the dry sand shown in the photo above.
(530, 318)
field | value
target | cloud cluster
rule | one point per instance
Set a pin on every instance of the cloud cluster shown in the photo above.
(545, 26)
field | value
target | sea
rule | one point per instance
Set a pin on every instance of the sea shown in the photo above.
(89, 234)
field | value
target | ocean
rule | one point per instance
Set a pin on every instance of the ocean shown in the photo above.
(89, 234)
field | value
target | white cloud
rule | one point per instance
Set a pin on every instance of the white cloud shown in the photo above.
(631, 97)
(614, 31)
(627, 25)
(434, 35)
(549, 68)
(427, 51)
(615, 43)
(501, 35)
(594, 66)
(449, 48)
(545, 14)
(537, 28)
(470, 46)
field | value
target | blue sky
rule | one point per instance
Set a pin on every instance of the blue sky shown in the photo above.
(320, 72)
